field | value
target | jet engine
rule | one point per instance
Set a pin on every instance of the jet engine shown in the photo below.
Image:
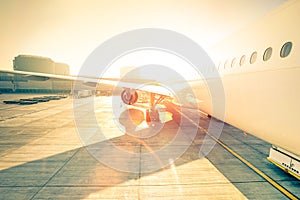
(129, 96)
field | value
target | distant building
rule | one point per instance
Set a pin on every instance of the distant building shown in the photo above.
(39, 64)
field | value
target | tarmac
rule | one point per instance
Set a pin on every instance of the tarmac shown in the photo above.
(55, 150)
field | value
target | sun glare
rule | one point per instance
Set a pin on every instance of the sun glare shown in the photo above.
(126, 63)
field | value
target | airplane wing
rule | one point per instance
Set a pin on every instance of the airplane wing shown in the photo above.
(136, 84)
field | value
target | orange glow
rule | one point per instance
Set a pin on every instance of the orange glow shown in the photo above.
(68, 31)
(136, 116)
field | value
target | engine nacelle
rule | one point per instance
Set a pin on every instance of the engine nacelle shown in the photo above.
(129, 96)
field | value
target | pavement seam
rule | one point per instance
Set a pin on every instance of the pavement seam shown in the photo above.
(275, 184)
(44, 185)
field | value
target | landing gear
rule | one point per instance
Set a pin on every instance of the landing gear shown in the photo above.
(152, 113)
(130, 97)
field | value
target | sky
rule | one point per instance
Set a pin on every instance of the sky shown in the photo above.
(69, 30)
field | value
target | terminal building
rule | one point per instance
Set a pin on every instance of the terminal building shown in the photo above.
(38, 64)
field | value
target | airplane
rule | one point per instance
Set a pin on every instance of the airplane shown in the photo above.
(260, 71)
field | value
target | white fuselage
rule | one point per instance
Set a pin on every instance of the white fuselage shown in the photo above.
(262, 98)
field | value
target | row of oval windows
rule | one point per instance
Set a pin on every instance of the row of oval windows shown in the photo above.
(284, 52)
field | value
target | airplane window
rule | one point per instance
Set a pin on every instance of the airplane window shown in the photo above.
(242, 60)
(219, 66)
(286, 49)
(267, 54)
(253, 57)
(233, 62)
(226, 64)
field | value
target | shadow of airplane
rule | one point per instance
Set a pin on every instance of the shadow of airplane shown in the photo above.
(78, 174)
